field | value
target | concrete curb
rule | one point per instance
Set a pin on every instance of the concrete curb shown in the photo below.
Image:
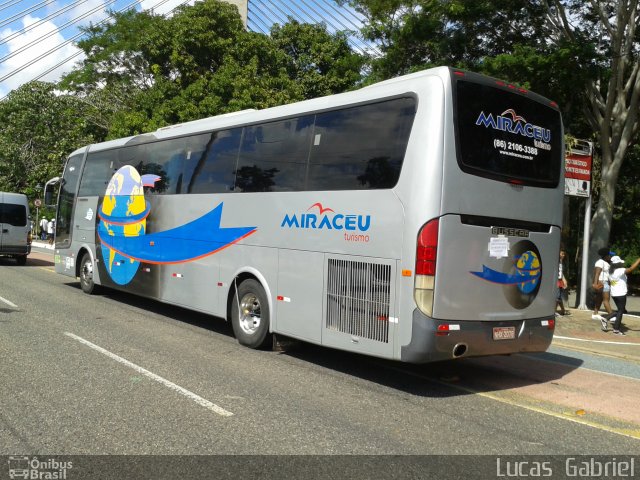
(40, 244)
(580, 332)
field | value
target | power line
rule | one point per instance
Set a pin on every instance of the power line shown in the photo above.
(56, 31)
(9, 3)
(28, 28)
(293, 10)
(26, 11)
(262, 13)
(250, 20)
(79, 52)
(340, 12)
(59, 46)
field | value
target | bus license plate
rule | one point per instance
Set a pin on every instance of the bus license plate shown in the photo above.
(504, 333)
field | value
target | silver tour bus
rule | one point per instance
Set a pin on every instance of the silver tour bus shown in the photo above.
(417, 219)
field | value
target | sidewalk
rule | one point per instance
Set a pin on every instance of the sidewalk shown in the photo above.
(579, 331)
(41, 244)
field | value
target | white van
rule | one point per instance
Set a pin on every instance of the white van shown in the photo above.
(15, 226)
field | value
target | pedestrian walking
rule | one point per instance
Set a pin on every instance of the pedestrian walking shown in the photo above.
(619, 289)
(50, 227)
(600, 284)
(561, 286)
(43, 228)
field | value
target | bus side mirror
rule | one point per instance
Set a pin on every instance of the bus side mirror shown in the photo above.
(48, 192)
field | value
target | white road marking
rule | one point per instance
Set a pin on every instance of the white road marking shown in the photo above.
(8, 302)
(183, 391)
(596, 341)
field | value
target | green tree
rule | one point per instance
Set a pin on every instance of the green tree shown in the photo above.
(202, 62)
(583, 54)
(416, 34)
(611, 89)
(40, 129)
(321, 63)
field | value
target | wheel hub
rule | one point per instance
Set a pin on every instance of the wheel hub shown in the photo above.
(250, 316)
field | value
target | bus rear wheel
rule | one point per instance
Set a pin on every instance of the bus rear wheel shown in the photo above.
(250, 315)
(86, 275)
(21, 260)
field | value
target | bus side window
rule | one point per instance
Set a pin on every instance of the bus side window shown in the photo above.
(274, 156)
(165, 159)
(361, 147)
(213, 162)
(96, 177)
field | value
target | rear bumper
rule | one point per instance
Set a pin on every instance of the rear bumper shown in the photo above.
(475, 338)
(15, 250)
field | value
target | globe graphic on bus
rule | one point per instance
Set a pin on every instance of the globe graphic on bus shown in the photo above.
(528, 269)
(123, 214)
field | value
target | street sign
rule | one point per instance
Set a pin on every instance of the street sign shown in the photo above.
(577, 166)
(37, 202)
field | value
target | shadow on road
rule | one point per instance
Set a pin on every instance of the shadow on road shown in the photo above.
(191, 317)
(440, 379)
(33, 260)
(448, 378)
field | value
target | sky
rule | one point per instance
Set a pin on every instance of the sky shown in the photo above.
(37, 36)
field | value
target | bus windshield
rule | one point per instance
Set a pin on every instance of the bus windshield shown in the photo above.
(506, 136)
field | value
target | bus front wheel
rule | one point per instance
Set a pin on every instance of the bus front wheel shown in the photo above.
(86, 275)
(250, 315)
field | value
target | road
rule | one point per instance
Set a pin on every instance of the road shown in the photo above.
(117, 374)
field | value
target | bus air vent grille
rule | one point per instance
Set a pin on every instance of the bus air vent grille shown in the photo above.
(358, 297)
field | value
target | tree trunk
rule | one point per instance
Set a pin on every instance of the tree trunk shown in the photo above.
(601, 220)
(599, 236)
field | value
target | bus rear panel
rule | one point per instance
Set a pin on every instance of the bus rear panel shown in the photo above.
(486, 266)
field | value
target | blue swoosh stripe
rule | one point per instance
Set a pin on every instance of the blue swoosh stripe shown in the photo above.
(185, 243)
(504, 278)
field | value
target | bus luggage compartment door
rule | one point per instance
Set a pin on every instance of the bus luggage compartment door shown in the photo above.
(299, 297)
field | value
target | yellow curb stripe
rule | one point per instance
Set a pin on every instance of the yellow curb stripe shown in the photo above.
(631, 433)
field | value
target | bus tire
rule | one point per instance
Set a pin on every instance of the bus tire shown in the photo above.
(21, 260)
(86, 275)
(250, 316)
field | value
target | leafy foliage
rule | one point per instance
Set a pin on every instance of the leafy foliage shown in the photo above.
(145, 71)
(416, 34)
(201, 62)
(40, 128)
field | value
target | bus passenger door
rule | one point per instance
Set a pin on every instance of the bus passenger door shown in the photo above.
(299, 294)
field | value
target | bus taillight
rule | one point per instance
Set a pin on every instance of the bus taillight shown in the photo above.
(426, 255)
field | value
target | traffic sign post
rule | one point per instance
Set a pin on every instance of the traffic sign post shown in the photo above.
(577, 182)
(37, 203)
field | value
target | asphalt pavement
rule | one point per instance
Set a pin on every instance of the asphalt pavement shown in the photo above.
(124, 375)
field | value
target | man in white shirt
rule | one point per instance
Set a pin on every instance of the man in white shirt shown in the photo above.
(618, 280)
(43, 228)
(50, 229)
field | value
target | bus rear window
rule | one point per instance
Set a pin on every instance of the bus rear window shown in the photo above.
(506, 136)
